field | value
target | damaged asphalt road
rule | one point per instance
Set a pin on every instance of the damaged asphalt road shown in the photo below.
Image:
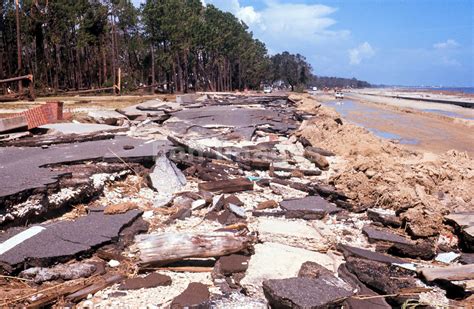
(212, 201)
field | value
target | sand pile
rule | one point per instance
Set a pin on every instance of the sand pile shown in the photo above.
(378, 173)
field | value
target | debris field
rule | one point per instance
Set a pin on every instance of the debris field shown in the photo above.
(219, 201)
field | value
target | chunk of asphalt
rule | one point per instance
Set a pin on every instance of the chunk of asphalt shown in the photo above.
(150, 281)
(63, 240)
(230, 264)
(349, 251)
(196, 295)
(308, 208)
(303, 293)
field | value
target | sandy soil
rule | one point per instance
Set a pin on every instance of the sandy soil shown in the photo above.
(379, 173)
(421, 130)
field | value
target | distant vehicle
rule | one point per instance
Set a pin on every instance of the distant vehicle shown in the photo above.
(267, 89)
(339, 95)
(315, 88)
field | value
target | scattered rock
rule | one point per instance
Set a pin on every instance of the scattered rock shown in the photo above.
(449, 273)
(236, 210)
(107, 117)
(308, 208)
(196, 295)
(374, 235)
(120, 208)
(267, 205)
(467, 258)
(287, 192)
(150, 281)
(318, 160)
(313, 270)
(232, 199)
(321, 151)
(424, 249)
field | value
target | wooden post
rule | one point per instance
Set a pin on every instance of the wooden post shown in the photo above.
(118, 87)
(18, 45)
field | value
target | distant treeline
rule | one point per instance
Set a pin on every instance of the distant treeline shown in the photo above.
(337, 82)
(180, 44)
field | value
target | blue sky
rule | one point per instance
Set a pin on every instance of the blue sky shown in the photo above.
(397, 42)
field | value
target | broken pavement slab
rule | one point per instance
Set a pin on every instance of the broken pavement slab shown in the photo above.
(63, 240)
(350, 251)
(286, 262)
(296, 233)
(78, 128)
(308, 208)
(304, 293)
(16, 174)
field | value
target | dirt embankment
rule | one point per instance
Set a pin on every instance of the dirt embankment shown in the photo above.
(378, 173)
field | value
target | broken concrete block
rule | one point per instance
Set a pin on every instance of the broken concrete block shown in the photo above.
(189, 98)
(304, 293)
(196, 295)
(13, 123)
(318, 160)
(384, 216)
(464, 223)
(78, 128)
(236, 210)
(108, 117)
(166, 177)
(149, 281)
(286, 262)
(296, 233)
(227, 186)
(308, 208)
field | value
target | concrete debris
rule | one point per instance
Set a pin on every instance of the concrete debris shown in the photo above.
(165, 177)
(225, 201)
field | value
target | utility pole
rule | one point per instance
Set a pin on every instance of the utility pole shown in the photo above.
(18, 44)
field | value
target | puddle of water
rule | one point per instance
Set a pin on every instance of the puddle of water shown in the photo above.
(447, 113)
(346, 106)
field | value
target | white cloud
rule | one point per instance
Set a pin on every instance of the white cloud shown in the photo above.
(248, 15)
(363, 51)
(446, 45)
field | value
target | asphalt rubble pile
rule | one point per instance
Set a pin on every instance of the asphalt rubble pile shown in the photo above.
(212, 201)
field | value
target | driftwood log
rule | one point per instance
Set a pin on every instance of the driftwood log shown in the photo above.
(165, 248)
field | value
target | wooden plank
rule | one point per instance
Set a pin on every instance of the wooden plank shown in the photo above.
(450, 273)
(227, 186)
